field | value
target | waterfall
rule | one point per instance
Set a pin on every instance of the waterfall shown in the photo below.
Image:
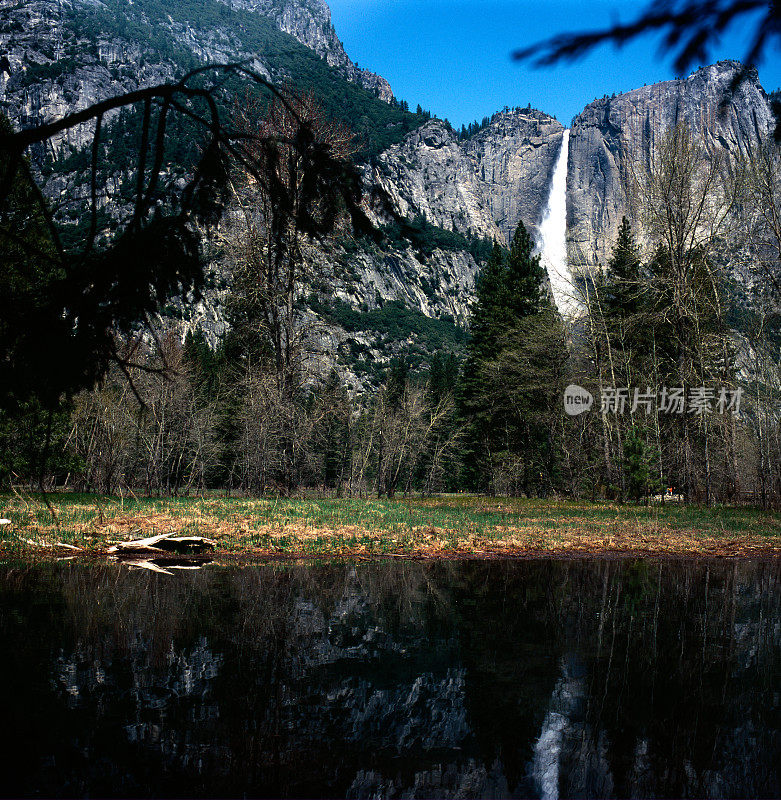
(547, 754)
(559, 721)
(552, 237)
(570, 756)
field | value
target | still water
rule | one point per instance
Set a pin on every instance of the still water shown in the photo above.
(454, 679)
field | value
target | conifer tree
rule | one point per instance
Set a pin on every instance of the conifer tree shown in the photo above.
(34, 335)
(623, 305)
(526, 274)
(397, 382)
(442, 378)
(507, 289)
(623, 274)
(334, 431)
(636, 465)
(510, 312)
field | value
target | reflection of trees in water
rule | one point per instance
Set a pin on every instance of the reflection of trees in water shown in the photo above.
(416, 679)
(683, 670)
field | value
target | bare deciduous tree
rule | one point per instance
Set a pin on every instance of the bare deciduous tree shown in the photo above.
(292, 192)
(148, 430)
(298, 157)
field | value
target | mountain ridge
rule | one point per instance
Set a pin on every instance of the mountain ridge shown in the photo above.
(309, 21)
(452, 193)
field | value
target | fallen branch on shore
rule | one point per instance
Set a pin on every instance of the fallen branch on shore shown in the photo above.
(51, 544)
(164, 543)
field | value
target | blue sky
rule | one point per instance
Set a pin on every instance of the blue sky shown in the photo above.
(453, 56)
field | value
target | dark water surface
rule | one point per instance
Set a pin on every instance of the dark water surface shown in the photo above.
(455, 679)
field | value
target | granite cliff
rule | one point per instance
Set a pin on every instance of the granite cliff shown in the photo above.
(444, 198)
(459, 196)
(481, 186)
(612, 134)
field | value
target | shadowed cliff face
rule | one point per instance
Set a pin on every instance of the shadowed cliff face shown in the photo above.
(460, 679)
(58, 62)
(54, 71)
(612, 136)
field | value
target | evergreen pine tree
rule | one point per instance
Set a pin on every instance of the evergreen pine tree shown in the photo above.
(35, 357)
(335, 432)
(397, 382)
(637, 465)
(508, 291)
(624, 279)
(443, 377)
(623, 311)
(526, 275)
(484, 325)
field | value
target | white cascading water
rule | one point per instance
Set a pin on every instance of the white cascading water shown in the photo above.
(552, 237)
(546, 764)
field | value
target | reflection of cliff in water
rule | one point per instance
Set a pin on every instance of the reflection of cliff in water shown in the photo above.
(470, 679)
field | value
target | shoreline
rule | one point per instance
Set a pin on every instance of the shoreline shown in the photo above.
(734, 550)
(444, 527)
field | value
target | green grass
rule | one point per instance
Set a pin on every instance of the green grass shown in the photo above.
(314, 526)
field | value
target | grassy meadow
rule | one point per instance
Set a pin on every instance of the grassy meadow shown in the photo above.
(452, 525)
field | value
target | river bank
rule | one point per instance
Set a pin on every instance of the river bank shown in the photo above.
(444, 526)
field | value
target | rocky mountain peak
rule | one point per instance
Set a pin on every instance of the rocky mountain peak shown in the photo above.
(511, 120)
(514, 159)
(309, 21)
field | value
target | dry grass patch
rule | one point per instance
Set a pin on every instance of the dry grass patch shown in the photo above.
(430, 527)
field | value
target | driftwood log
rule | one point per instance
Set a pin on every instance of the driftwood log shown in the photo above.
(164, 543)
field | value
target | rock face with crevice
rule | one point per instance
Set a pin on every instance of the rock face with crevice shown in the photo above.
(614, 136)
(481, 186)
